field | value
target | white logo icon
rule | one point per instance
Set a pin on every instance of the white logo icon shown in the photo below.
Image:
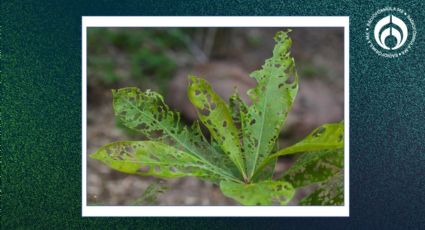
(390, 32)
(390, 26)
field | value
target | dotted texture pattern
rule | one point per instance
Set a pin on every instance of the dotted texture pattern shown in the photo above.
(41, 116)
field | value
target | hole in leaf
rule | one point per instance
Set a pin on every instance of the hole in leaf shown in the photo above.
(213, 105)
(197, 92)
(144, 169)
(279, 187)
(224, 123)
(205, 112)
(141, 126)
(128, 149)
(291, 79)
(208, 97)
(319, 132)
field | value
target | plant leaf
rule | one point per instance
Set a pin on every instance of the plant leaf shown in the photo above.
(151, 193)
(146, 113)
(262, 193)
(215, 115)
(330, 192)
(313, 167)
(327, 136)
(150, 158)
(238, 108)
(277, 86)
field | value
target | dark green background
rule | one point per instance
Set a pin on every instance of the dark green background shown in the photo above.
(41, 117)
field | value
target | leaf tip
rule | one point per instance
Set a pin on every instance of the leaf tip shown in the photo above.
(95, 155)
(192, 78)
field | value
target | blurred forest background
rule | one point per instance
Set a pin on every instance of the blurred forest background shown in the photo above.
(161, 59)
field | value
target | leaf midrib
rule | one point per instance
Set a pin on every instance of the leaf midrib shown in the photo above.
(261, 130)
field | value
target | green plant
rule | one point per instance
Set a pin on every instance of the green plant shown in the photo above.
(239, 155)
(116, 54)
(150, 195)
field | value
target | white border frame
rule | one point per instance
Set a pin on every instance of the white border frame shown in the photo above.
(226, 211)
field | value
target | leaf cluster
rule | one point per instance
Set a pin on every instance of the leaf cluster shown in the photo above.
(239, 156)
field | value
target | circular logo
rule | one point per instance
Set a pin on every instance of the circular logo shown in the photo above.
(390, 32)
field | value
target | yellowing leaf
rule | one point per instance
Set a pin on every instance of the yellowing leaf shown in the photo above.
(262, 193)
(150, 158)
(328, 136)
(146, 113)
(215, 115)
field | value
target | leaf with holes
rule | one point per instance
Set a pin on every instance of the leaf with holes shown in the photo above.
(242, 152)
(313, 167)
(262, 193)
(327, 136)
(330, 192)
(215, 115)
(238, 108)
(150, 158)
(151, 194)
(277, 86)
(146, 112)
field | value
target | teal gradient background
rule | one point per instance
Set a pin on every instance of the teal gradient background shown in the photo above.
(41, 116)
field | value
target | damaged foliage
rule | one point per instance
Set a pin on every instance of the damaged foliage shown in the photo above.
(241, 156)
